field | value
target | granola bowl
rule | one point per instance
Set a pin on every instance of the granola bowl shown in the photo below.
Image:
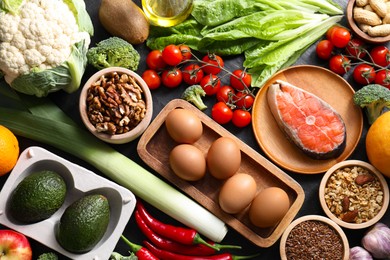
(354, 194)
(314, 237)
(116, 105)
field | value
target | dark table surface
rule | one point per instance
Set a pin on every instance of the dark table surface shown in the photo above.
(310, 183)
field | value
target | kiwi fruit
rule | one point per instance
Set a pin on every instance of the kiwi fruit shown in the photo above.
(124, 19)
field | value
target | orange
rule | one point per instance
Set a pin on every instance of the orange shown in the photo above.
(9, 150)
(378, 144)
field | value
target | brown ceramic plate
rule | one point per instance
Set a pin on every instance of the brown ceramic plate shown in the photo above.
(155, 145)
(325, 84)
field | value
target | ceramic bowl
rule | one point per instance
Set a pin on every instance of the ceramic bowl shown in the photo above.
(307, 230)
(134, 132)
(358, 32)
(346, 199)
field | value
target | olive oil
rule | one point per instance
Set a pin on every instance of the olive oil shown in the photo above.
(166, 13)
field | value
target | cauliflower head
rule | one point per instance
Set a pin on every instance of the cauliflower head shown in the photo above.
(44, 42)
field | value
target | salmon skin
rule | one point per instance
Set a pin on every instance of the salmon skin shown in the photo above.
(307, 121)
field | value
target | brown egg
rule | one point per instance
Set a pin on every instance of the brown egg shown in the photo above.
(269, 207)
(223, 158)
(183, 126)
(187, 162)
(237, 193)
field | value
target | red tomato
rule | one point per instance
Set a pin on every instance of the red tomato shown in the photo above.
(172, 55)
(339, 64)
(239, 78)
(216, 63)
(330, 31)
(225, 94)
(356, 48)
(383, 78)
(339, 36)
(221, 113)
(155, 61)
(172, 78)
(210, 84)
(241, 117)
(324, 49)
(364, 74)
(192, 74)
(185, 52)
(380, 55)
(244, 99)
(151, 78)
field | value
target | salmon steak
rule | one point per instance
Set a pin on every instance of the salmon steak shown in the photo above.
(307, 121)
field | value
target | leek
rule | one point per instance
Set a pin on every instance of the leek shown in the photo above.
(80, 143)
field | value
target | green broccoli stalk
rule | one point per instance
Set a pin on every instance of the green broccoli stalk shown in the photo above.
(194, 95)
(113, 52)
(375, 98)
(48, 256)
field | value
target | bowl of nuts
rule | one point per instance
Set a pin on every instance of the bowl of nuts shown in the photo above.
(354, 194)
(314, 237)
(369, 20)
(116, 105)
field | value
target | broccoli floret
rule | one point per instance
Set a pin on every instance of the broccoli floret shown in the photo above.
(375, 98)
(194, 95)
(113, 52)
(48, 256)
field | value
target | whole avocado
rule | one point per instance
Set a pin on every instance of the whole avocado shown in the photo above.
(37, 197)
(84, 223)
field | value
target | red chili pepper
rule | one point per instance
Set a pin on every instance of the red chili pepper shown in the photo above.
(172, 246)
(166, 255)
(141, 252)
(181, 235)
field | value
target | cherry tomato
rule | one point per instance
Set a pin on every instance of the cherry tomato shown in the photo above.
(152, 79)
(185, 51)
(210, 84)
(225, 94)
(241, 117)
(244, 99)
(172, 55)
(339, 64)
(216, 63)
(356, 48)
(324, 49)
(364, 74)
(172, 78)
(380, 55)
(221, 113)
(192, 74)
(239, 78)
(383, 78)
(339, 36)
(155, 61)
(330, 31)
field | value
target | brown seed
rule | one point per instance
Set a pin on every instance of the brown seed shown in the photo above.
(350, 216)
(345, 204)
(363, 179)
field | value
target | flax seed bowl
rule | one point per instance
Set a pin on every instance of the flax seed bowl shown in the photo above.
(354, 194)
(314, 237)
(116, 105)
(370, 25)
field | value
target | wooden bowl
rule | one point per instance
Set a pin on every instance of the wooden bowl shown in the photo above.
(284, 243)
(134, 132)
(365, 189)
(358, 32)
(154, 148)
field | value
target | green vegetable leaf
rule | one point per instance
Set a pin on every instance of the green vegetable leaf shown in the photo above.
(10, 6)
(67, 76)
(79, 11)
